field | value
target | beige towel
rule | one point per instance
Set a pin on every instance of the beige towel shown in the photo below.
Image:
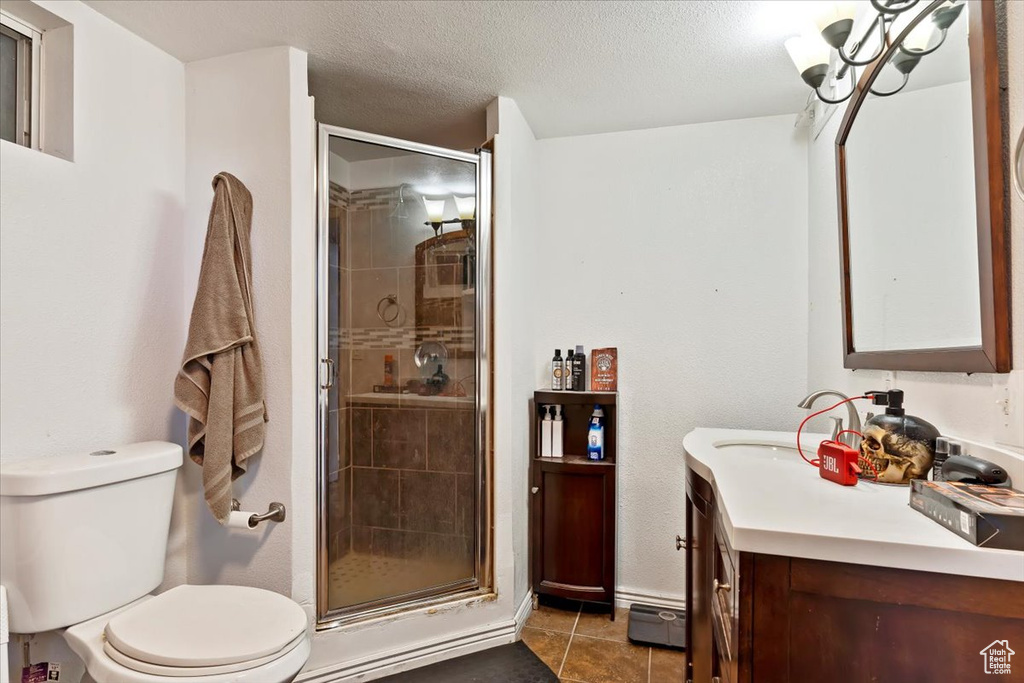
(220, 384)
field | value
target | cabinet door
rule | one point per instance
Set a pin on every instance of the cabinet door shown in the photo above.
(574, 530)
(700, 565)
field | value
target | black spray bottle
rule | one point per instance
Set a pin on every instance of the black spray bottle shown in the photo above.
(579, 369)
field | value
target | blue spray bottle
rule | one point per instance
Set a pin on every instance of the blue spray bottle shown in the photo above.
(595, 437)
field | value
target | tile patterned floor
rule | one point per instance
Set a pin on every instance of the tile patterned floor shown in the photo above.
(584, 647)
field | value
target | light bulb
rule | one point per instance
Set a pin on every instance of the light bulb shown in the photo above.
(435, 209)
(807, 52)
(920, 36)
(466, 207)
(831, 12)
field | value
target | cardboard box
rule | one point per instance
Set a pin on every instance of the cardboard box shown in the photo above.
(604, 370)
(987, 516)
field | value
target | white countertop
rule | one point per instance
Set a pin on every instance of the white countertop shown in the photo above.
(772, 502)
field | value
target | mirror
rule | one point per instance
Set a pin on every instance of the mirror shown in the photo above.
(921, 189)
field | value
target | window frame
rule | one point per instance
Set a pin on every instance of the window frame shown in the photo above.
(28, 85)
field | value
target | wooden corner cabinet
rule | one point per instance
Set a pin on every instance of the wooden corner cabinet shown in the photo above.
(755, 618)
(572, 502)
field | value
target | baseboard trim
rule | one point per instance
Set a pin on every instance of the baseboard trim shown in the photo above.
(395, 661)
(385, 664)
(625, 598)
(524, 612)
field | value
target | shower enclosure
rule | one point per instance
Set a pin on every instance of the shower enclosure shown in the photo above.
(403, 320)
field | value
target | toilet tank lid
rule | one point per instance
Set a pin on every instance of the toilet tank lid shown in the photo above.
(60, 473)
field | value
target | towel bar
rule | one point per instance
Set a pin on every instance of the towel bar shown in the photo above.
(276, 513)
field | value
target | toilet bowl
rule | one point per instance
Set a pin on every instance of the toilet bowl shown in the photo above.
(196, 634)
(82, 544)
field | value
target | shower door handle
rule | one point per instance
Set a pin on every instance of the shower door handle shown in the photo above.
(329, 382)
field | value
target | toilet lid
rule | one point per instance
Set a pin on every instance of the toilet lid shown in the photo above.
(201, 626)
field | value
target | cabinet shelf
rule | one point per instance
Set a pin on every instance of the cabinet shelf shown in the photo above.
(575, 460)
(603, 398)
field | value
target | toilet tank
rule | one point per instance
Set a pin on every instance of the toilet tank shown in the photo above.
(84, 534)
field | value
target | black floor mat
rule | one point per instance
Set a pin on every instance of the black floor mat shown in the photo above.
(513, 663)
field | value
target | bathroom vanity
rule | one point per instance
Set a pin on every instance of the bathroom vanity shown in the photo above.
(790, 577)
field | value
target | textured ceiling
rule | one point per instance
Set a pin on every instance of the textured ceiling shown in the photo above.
(426, 70)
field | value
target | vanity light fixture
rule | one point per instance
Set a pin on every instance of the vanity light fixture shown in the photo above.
(466, 207)
(811, 54)
(435, 214)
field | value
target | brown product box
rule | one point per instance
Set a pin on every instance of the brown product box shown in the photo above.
(604, 370)
(988, 516)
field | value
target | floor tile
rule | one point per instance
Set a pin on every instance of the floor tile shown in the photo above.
(602, 661)
(598, 625)
(667, 666)
(552, 619)
(550, 646)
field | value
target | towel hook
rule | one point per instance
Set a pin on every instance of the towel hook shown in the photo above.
(276, 513)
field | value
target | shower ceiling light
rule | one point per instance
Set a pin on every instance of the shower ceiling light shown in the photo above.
(812, 54)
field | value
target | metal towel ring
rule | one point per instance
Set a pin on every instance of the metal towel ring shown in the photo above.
(386, 304)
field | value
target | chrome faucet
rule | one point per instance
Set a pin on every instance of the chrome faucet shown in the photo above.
(851, 440)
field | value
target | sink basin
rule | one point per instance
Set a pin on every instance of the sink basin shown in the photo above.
(755, 445)
(775, 451)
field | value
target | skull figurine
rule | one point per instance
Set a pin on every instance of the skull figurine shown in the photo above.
(897, 449)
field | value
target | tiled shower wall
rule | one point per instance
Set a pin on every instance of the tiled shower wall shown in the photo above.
(413, 482)
(401, 478)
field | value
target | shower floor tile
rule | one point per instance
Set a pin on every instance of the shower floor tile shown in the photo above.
(361, 577)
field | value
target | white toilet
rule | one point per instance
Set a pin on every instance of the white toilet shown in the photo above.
(82, 543)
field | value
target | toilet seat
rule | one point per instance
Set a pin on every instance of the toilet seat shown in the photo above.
(186, 671)
(165, 643)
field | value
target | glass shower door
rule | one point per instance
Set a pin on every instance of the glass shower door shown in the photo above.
(404, 239)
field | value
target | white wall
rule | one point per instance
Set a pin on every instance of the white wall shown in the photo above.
(91, 252)
(516, 245)
(955, 403)
(685, 247)
(91, 284)
(249, 114)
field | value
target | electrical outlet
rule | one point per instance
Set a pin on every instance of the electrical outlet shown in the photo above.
(1008, 415)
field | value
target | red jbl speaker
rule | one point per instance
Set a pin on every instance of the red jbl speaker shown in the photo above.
(838, 462)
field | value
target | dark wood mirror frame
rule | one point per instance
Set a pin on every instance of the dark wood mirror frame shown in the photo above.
(990, 186)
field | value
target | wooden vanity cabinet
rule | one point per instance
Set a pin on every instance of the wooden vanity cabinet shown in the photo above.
(755, 618)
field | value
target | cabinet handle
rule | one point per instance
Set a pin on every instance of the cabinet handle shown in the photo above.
(534, 489)
(681, 542)
(720, 587)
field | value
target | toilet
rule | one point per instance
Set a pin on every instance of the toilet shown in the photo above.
(82, 544)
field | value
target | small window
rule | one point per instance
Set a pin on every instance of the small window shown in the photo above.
(19, 82)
